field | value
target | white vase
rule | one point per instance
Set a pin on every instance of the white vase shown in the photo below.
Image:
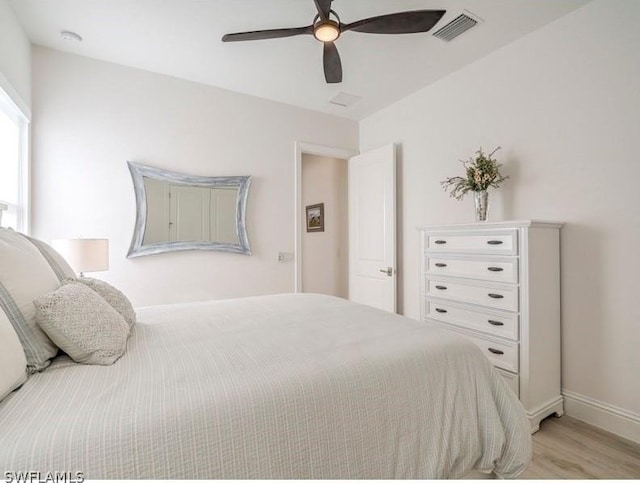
(481, 200)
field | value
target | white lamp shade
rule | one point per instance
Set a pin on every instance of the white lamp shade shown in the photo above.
(84, 254)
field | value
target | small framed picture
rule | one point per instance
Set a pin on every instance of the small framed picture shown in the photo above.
(315, 217)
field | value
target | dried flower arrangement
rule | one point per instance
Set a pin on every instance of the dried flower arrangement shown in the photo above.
(482, 173)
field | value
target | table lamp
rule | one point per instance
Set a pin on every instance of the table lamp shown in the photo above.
(84, 254)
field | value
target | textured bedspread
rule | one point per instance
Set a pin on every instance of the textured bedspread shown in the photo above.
(285, 386)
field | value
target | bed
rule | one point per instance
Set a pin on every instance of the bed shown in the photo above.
(281, 386)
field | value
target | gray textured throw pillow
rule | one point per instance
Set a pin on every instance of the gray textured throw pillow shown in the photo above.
(82, 324)
(112, 295)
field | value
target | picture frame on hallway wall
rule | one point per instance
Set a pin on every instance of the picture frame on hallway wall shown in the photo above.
(315, 217)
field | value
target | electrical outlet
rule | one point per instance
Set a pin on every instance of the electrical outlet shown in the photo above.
(284, 257)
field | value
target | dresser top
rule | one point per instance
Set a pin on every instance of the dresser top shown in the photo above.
(494, 224)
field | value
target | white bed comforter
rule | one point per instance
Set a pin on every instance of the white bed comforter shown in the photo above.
(285, 386)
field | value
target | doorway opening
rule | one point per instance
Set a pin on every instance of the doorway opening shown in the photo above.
(324, 257)
(322, 213)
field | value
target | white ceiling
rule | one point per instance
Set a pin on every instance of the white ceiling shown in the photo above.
(181, 38)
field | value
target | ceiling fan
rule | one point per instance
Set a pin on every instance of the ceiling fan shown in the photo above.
(327, 27)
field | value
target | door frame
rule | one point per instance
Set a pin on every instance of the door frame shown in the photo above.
(320, 150)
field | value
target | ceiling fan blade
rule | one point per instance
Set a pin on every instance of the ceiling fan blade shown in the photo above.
(397, 23)
(267, 34)
(323, 7)
(332, 64)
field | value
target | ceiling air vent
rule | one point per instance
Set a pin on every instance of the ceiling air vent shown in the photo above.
(345, 100)
(456, 27)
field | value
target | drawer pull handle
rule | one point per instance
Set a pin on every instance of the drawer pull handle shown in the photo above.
(495, 269)
(442, 311)
(441, 265)
(494, 242)
(495, 322)
(441, 287)
(440, 242)
(495, 351)
(496, 296)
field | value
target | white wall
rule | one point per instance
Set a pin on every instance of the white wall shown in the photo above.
(325, 267)
(90, 117)
(564, 103)
(15, 57)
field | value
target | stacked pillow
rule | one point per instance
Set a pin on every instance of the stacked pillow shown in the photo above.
(82, 324)
(114, 297)
(12, 359)
(43, 307)
(25, 275)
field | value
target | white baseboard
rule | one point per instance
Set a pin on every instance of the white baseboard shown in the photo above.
(602, 415)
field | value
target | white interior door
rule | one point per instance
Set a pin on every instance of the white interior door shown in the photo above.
(372, 228)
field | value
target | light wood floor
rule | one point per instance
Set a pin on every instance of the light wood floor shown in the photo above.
(566, 448)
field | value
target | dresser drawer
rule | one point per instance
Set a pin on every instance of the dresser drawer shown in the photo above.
(502, 354)
(512, 380)
(505, 297)
(503, 325)
(505, 270)
(504, 242)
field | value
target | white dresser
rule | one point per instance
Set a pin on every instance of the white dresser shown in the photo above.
(499, 284)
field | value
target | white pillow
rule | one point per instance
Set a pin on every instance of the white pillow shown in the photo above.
(56, 261)
(13, 363)
(25, 274)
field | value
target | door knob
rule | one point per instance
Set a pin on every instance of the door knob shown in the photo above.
(388, 271)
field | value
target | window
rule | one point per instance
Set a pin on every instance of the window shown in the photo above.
(13, 165)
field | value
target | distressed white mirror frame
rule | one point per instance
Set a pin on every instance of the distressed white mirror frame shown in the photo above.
(141, 171)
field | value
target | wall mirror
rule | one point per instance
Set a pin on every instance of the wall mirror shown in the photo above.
(176, 211)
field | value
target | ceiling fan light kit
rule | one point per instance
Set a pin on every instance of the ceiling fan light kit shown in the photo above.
(327, 30)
